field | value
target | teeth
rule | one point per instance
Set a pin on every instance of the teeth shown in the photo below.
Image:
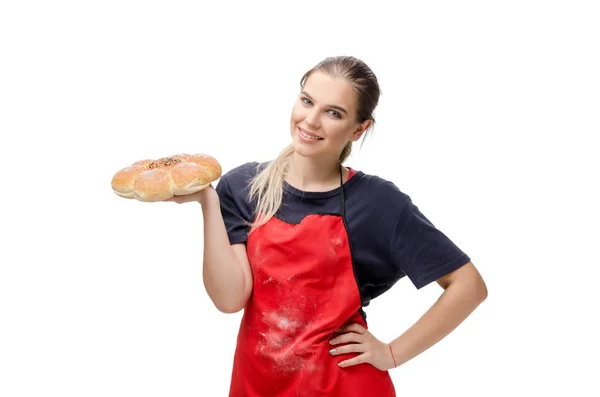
(309, 136)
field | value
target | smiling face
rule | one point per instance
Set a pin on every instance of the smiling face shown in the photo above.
(323, 119)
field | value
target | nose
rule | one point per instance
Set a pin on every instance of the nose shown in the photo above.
(312, 117)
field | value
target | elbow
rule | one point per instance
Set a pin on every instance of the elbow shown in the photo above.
(225, 301)
(470, 285)
(229, 309)
(482, 291)
(230, 306)
(468, 280)
(479, 289)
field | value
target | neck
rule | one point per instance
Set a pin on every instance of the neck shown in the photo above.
(311, 175)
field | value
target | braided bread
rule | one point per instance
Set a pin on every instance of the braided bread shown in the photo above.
(158, 180)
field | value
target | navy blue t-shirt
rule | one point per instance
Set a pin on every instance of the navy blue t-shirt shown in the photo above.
(389, 236)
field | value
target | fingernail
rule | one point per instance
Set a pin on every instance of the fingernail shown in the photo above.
(332, 351)
(332, 341)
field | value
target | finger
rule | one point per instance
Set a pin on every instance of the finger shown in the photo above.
(351, 348)
(176, 199)
(360, 359)
(346, 338)
(354, 327)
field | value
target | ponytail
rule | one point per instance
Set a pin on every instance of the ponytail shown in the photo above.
(267, 186)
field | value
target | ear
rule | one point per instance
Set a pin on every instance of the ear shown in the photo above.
(362, 128)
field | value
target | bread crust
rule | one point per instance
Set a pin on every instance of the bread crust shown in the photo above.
(158, 180)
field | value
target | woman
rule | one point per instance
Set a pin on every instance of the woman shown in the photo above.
(303, 243)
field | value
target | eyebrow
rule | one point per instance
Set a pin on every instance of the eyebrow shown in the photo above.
(341, 109)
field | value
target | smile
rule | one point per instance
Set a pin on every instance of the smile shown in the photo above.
(306, 135)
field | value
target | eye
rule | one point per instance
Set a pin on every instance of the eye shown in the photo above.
(335, 114)
(306, 101)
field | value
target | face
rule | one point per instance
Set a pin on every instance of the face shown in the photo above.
(324, 117)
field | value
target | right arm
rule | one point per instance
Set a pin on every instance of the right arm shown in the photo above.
(226, 271)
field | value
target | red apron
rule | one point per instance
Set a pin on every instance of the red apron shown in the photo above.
(304, 289)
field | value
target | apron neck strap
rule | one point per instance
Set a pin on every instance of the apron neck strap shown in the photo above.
(342, 190)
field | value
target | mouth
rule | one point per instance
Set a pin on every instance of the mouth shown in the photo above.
(308, 135)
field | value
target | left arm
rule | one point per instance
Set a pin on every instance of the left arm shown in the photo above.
(464, 290)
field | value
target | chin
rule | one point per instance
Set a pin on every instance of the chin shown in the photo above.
(303, 150)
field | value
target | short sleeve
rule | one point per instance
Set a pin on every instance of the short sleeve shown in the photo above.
(420, 250)
(234, 213)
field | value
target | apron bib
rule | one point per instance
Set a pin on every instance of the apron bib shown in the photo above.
(304, 289)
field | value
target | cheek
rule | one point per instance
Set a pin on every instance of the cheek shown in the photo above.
(338, 131)
(296, 114)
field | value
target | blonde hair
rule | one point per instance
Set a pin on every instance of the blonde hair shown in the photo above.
(267, 186)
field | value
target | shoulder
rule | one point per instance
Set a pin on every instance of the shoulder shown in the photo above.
(245, 170)
(241, 175)
(379, 192)
(233, 190)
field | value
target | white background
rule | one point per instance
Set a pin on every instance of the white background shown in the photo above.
(487, 120)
